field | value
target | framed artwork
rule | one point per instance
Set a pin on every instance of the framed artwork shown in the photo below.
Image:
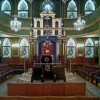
(70, 52)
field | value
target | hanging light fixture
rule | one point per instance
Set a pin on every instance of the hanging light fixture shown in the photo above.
(79, 24)
(15, 24)
(64, 1)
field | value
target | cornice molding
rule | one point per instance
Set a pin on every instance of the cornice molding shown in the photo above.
(60, 38)
(43, 28)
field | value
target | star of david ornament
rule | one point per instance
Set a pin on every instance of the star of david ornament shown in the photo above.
(46, 59)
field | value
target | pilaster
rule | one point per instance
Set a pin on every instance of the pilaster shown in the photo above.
(64, 49)
(99, 51)
(60, 47)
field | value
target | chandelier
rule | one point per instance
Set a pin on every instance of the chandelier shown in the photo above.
(15, 24)
(64, 1)
(80, 24)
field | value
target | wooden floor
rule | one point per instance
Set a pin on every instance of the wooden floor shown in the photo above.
(91, 89)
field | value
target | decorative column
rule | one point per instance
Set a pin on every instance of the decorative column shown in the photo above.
(35, 47)
(64, 49)
(30, 49)
(57, 47)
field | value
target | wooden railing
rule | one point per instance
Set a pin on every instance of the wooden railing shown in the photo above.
(46, 89)
(49, 98)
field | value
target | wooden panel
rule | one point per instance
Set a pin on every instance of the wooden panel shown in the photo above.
(88, 98)
(33, 98)
(55, 89)
(75, 89)
(37, 89)
(16, 89)
(2, 98)
(10, 98)
(63, 98)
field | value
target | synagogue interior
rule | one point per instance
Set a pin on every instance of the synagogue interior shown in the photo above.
(49, 49)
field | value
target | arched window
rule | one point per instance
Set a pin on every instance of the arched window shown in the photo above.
(71, 48)
(56, 24)
(89, 7)
(6, 7)
(38, 32)
(72, 10)
(56, 32)
(89, 48)
(47, 4)
(6, 48)
(38, 23)
(23, 9)
(24, 48)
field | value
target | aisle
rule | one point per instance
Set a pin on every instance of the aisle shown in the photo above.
(3, 86)
(91, 89)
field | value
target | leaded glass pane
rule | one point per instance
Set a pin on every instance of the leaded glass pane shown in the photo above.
(24, 48)
(23, 9)
(89, 52)
(6, 7)
(47, 5)
(71, 42)
(70, 52)
(72, 15)
(6, 52)
(24, 52)
(72, 10)
(89, 7)
(23, 14)
(89, 42)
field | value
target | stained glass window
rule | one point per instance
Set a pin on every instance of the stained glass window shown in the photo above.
(23, 9)
(6, 7)
(72, 10)
(89, 48)
(89, 7)
(6, 48)
(71, 48)
(24, 48)
(47, 5)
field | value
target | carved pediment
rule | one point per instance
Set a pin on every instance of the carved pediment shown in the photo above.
(47, 12)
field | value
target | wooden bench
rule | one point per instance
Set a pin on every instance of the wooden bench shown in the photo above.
(46, 89)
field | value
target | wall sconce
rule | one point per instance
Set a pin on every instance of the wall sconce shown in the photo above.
(0, 43)
(96, 43)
